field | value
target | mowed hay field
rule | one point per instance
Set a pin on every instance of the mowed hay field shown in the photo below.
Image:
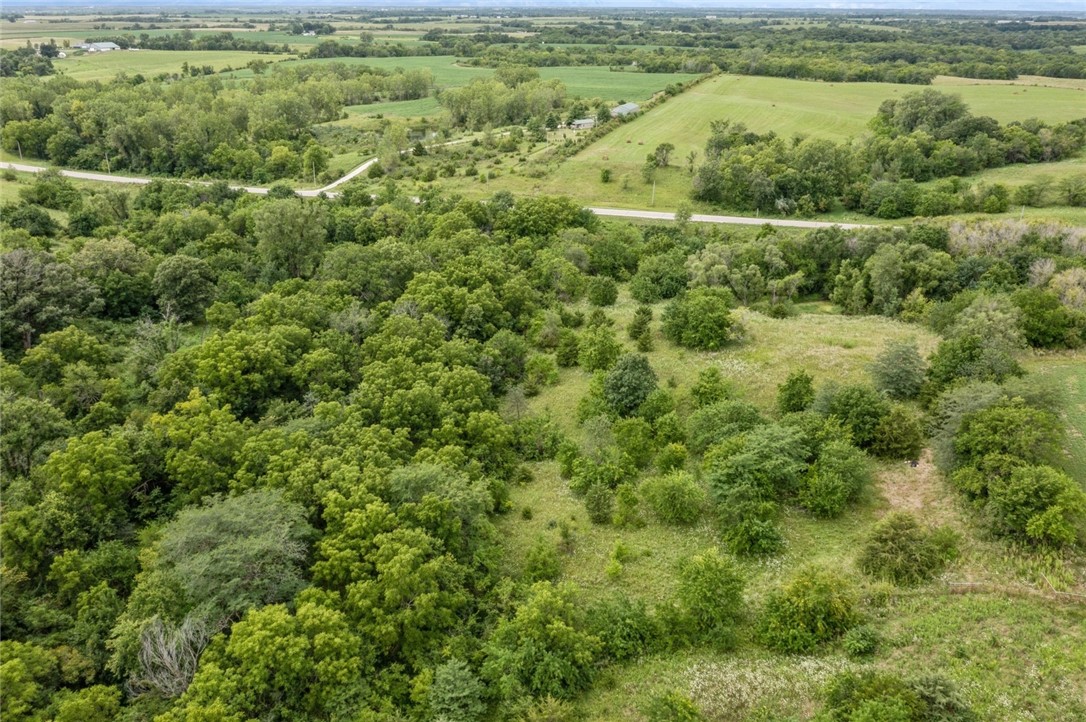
(837, 111)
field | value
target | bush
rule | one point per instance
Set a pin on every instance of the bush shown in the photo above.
(629, 383)
(718, 422)
(710, 592)
(599, 502)
(634, 438)
(748, 522)
(568, 349)
(640, 323)
(815, 606)
(710, 388)
(861, 641)
(1037, 503)
(898, 435)
(659, 277)
(796, 393)
(539, 370)
(670, 458)
(770, 460)
(860, 409)
(835, 479)
(1011, 428)
(602, 291)
(542, 562)
(901, 551)
(599, 349)
(625, 627)
(672, 707)
(701, 319)
(627, 513)
(675, 498)
(878, 697)
(899, 370)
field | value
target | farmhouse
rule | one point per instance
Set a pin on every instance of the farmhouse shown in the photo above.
(98, 47)
(583, 124)
(625, 109)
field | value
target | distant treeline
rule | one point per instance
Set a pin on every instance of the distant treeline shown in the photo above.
(187, 40)
(257, 131)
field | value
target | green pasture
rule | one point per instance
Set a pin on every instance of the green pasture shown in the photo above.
(1067, 371)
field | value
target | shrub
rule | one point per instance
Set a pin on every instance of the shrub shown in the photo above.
(861, 641)
(627, 513)
(860, 409)
(796, 393)
(710, 592)
(568, 349)
(634, 438)
(1037, 503)
(656, 404)
(835, 479)
(899, 370)
(898, 435)
(672, 707)
(539, 371)
(877, 697)
(815, 606)
(659, 277)
(602, 291)
(599, 502)
(629, 383)
(901, 551)
(1012, 428)
(748, 524)
(710, 388)
(640, 323)
(542, 562)
(599, 349)
(701, 319)
(625, 627)
(670, 458)
(675, 498)
(769, 459)
(715, 423)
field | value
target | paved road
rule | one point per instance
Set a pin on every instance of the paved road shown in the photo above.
(328, 190)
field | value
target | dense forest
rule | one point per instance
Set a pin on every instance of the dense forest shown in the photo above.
(255, 449)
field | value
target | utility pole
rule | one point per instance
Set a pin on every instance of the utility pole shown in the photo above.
(653, 203)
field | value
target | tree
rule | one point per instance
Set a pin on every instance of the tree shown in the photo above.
(899, 370)
(290, 235)
(30, 430)
(456, 693)
(674, 498)
(306, 665)
(602, 291)
(901, 550)
(710, 388)
(39, 295)
(710, 592)
(212, 563)
(899, 435)
(659, 277)
(184, 286)
(768, 459)
(545, 649)
(629, 383)
(1011, 428)
(701, 319)
(816, 605)
(662, 154)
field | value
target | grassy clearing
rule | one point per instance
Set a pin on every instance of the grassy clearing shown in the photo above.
(1068, 372)
(1014, 658)
(105, 66)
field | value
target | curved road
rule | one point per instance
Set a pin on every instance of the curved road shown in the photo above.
(328, 190)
